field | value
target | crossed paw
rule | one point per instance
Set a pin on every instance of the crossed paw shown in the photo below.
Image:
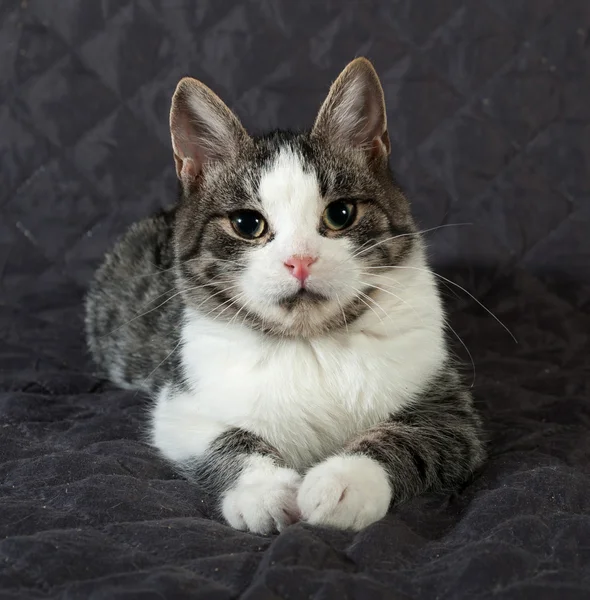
(346, 492)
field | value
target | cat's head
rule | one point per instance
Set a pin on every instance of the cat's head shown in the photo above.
(279, 232)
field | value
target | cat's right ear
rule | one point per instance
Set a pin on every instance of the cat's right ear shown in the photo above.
(203, 129)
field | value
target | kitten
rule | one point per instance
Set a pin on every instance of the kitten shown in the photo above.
(285, 321)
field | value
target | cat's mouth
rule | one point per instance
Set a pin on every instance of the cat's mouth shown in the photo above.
(300, 298)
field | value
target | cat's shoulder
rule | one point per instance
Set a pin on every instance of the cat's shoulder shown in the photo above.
(144, 246)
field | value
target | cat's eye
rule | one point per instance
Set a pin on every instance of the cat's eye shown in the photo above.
(248, 224)
(339, 215)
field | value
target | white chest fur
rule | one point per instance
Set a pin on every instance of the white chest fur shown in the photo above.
(305, 397)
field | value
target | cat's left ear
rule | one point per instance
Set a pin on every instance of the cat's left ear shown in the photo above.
(354, 114)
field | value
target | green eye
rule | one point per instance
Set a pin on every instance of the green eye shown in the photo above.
(339, 215)
(248, 224)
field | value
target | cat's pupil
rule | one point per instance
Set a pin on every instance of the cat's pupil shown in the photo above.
(339, 214)
(248, 223)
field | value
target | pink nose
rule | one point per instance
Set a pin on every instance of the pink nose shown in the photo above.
(299, 266)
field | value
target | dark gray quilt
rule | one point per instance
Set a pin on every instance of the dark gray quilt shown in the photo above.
(489, 111)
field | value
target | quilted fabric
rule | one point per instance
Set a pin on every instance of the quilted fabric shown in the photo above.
(489, 113)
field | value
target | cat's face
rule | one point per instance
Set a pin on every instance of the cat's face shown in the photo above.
(281, 232)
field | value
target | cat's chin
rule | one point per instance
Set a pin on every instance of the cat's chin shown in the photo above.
(303, 327)
(302, 298)
(308, 315)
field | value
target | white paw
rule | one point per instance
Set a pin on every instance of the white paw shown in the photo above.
(347, 492)
(264, 500)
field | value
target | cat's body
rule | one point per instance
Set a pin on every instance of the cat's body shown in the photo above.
(307, 397)
(277, 342)
(130, 338)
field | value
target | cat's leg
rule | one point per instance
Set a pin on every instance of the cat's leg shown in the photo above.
(247, 478)
(433, 445)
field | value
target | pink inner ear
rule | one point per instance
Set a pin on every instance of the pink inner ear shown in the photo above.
(189, 169)
(380, 145)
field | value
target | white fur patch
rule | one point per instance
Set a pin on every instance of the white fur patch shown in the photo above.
(264, 498)
(308, 397)
(348, 492)
(293, 205)
(178, 430)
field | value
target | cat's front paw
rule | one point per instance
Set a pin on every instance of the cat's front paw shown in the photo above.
(264, 500)
(347, 492)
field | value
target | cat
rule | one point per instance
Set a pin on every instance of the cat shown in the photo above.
(285, 321)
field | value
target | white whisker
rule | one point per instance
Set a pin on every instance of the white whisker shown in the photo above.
(458, 286)
(151, 300)
(245, 317)
(401, 235)
(340, 305)
(231, 287)
(364, 244)
(237, 314)
(162, 362)
(235, 298)
(161, 271)
(362, 295)
(232, 262)
(394, 295)
(158, 272)
(196, 287)
(447, 324)
(397, 283)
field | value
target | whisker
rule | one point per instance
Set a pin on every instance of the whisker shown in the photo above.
(362, 297)
(235, 298)
(188, 260)
(447, 324)
(214, 280)
(233, 262)
(397, 283)
(476, 300)
(369, 297)
(231, 287)
(159, 305)
(459, 287)
(162, 362)
(395, 237)
(364, 244)
(405, 287)
(151, 300)
(395, 296)
(245, 317)
(340, 305)
(158, 272)
(143, 314)
(236, 315)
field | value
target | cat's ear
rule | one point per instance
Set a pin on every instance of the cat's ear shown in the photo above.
(353, 114)
(203, 129)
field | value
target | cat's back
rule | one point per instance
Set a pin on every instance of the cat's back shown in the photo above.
(132, 315)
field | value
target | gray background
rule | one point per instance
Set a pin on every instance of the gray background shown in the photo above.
(488, 107)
